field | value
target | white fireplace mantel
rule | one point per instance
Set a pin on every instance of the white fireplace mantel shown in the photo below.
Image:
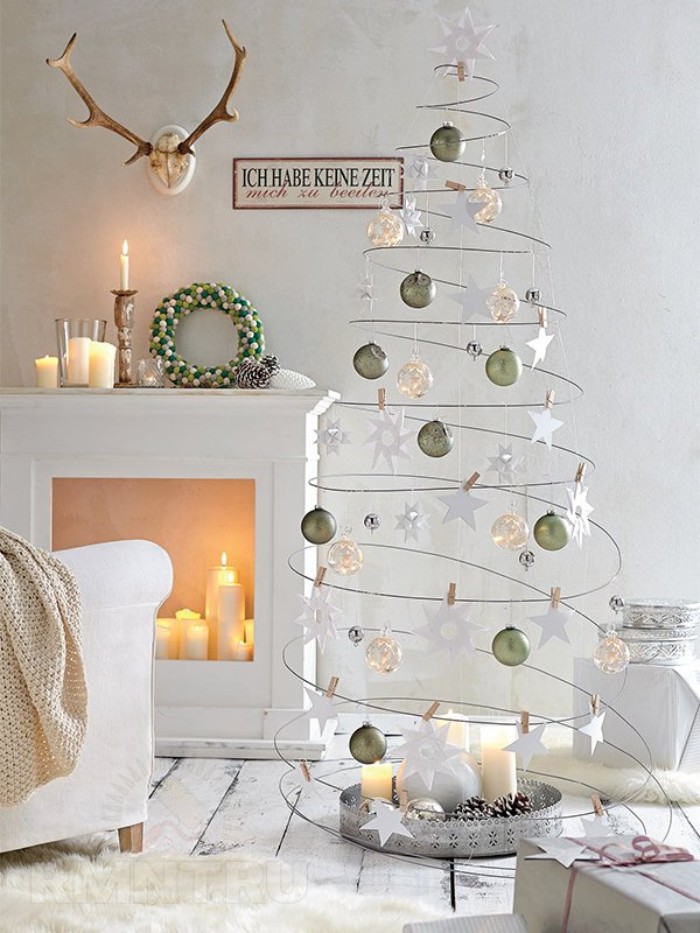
(202, 707)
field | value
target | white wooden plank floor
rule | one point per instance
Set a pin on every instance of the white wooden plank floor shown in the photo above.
(209, 806)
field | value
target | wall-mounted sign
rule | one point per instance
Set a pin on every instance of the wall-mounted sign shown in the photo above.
(317, 183)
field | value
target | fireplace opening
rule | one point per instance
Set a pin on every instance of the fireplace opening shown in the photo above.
(207, 526)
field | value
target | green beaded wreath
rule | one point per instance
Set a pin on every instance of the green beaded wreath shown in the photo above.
(168, 314)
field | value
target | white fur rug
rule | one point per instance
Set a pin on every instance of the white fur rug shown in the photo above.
(83, 887)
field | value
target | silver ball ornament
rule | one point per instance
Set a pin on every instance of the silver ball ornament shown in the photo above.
(533, 295)
(424, 808)
(617, 603)
(474, 349)
(427, 236)
(356, 634)
(526, 559)
(371, 521)
(506, 175)
(370, 361)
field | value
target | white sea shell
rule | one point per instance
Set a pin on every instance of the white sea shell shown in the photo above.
(290, 379)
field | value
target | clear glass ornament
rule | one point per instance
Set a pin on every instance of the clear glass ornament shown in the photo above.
(345, 557)
(383, 653)
(510, 531)
(414, 378)
(493, 205)
(612, 654)
(386, 229)
(503, 303)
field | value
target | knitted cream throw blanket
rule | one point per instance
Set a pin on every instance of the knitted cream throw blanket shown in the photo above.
(43, 697)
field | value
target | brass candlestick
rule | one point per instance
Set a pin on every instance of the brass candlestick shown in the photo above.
(124, 319)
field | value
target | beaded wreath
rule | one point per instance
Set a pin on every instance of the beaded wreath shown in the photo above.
(171, 310)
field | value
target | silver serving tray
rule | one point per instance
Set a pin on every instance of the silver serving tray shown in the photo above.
(667, 652)
(659, 613)
(449, 838)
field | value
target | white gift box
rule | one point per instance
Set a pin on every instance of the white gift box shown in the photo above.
(490, 923)
(643, 899)
(662, 703)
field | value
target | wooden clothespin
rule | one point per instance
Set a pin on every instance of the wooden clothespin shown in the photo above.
(332, 684)
(549, 399)
(320, 574)
(581, 469)
(304, 768)
(381, 399)
(460, 71)
(455, 186)
(403, 800)
(595, 704)
(555, 593)
(524, 722)
(431, 710)
(542, 314)
(451, 594)
(470, 482)
(597, 805)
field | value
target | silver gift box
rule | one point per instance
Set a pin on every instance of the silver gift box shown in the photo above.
(661, 614)
(671, 646)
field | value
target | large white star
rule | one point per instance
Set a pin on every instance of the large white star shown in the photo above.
(464, 42)
(539, 346)
(389, 438)
(594, 729)
(506, 464)
(411, 217)
(579, 511)
(387, 822)
(321, 708)
(332, 437)
(472, 300)
(564, 851)
(462, 504)
(553, 624)
(596, 826)
(422, 170)
(425, 751)
(545, 426)
(412, 522)
(528, 744)
(449, 630)
(318, 617)
(462, 212)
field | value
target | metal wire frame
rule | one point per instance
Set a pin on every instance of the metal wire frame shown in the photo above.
(504, 125)
(493, 86)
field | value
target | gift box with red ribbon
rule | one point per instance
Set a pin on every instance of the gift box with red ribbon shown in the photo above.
(614, 884)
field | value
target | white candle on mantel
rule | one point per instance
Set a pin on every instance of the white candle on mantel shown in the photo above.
(46, 372)
(239, 651)
(124, 267)
(194, 641)
(78, 361)
(102, 357)
(230, 618)
(498, 770)
(377, 780)
(170, 629)
(458, 729)
(163, 635)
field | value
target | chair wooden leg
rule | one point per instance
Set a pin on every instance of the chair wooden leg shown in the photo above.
(131, 838)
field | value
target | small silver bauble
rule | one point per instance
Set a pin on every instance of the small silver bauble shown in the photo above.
(506, 175)
(424, 808)
(372, 521)
(526, 559)
(474, 349)
(427, 235)
(356, 634)
(617, 603)
(533, 294)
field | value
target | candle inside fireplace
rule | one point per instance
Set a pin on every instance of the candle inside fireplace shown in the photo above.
(223, 575)
(47, 372)
(167, 639)
(230, 619)
(124, 267)
(249, 631)
(239, 651)
(194, 640)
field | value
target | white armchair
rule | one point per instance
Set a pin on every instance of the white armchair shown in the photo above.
(123, 584)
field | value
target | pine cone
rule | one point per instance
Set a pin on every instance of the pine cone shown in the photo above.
(272, 363)
(511, 805)
(473, 809)
(252, 374)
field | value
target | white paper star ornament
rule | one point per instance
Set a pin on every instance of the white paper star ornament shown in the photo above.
(332, 437)
(594, 729)
(462, 212)
(387, 822)
(545, 426)
(528, 744)
(564, 851)
(553, 624)
(464, 42)
(579, 512)
(506, 464)
(449, 630)
(411, 217)
(321, 708)
(389, 438)
(426, 752)
(421, 170)
(539, 346)
(412, 522)
(462, 504)
(472, 300)
(318, 617)
(596, 826)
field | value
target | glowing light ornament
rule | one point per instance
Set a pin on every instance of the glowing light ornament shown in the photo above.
(345, 557)
(484, 194)
(612, 654)
(415, 377)
(510, 531)
(503, 302)
(384, 653)
(386, 229)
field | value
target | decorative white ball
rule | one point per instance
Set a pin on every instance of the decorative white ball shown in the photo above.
(449, 788)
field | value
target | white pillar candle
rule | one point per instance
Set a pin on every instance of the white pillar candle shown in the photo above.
(498, 770)
(458, 729)
(249, 631)
(239, 651)
(377, 780)
(102, 357)
(124, 267)
(230, 618)
(224, 575)
(47, 372)
(169, 628)
(163, 634)
(79, 361)
(194, 641)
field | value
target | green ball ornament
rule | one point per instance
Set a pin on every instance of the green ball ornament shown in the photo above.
(504, 367)
(446, 143)
(368, 744)
(370, 361)
(552, 532)
(418, 290)
(511, 646)
(318, 526)
(435, 439)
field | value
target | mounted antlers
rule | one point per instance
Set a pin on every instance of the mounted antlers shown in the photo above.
(170, 155)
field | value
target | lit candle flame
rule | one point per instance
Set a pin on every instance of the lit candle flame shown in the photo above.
(223, 558)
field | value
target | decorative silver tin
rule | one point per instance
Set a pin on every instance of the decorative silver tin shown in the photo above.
(670, 646)
(661, 614)
(450, 838)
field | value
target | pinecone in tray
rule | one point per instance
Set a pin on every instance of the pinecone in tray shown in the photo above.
(253, 374)
(476, 808)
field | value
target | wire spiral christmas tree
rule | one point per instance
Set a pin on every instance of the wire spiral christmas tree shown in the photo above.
(470, 449)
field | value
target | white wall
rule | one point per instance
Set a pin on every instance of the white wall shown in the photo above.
(602, 97)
